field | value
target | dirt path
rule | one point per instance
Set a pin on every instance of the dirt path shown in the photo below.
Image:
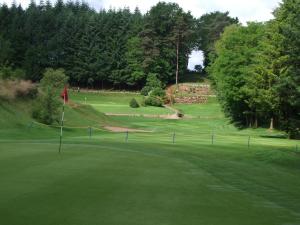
(176, 111)
(170, 116)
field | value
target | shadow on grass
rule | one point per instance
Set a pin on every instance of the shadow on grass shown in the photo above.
(277, 136)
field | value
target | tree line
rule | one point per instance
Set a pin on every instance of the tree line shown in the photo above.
(106, 48)
(254, 68)
(256, 71)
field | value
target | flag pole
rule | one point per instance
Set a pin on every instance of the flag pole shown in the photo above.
(62, 124)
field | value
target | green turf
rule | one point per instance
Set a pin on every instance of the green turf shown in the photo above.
(147, 180)
(116, 103)
(211, 110)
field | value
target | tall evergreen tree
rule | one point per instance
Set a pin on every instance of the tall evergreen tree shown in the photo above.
(166, 32)
(209, 28)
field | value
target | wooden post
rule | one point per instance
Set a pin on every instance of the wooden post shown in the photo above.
(126, 136)
(90, 131)
(212, 138)
(249, 142)
(174, 137)
(62, 125)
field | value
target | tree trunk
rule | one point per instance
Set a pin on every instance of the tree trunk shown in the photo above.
(272, 124)
(256, 122)
(177, 60)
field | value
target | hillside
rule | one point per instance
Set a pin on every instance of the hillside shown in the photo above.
(16, 120)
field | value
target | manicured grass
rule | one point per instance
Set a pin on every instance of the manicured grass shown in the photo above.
(107, 102)
(147, 180)
(210, 110)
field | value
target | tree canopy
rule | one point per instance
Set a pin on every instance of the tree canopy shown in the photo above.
(115, 48)
(256, 71)
(210, 26)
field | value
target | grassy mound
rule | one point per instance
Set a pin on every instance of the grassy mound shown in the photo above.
(16, 121)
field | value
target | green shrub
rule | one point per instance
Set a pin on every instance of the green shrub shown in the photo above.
(158, 92)
(145, 91)
(153, 101)
(153, 83)
(46, 108)
(54, 80)
(133, 103)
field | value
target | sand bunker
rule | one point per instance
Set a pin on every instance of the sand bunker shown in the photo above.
(170, 116)
(124, 129)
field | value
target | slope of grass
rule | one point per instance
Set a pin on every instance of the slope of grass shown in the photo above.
(147, 179)
(16, 121)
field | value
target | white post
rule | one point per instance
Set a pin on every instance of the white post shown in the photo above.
(62, 124)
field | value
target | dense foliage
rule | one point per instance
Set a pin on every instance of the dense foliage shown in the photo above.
(256, 71)
(255, 68)
(210, 26)
(113, 48)
(133, 103)
(46, 108)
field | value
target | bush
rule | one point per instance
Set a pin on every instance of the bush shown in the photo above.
(54, 80)
(46, 108)
(133, 103)
(153, 83)
(145, 91)
(11, 89)
(158, 92)
(153, 101)
(26, 89)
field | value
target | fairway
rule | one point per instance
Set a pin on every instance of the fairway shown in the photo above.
(115, 103)
(148, 179)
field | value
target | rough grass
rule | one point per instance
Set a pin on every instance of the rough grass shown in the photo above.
(147, 180)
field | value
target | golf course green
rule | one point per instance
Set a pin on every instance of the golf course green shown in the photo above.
(199, 170)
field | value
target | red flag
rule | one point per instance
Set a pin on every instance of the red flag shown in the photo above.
(64, 95)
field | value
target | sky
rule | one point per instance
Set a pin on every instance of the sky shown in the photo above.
(245, 10)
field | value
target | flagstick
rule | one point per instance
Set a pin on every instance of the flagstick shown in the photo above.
(62, 123)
